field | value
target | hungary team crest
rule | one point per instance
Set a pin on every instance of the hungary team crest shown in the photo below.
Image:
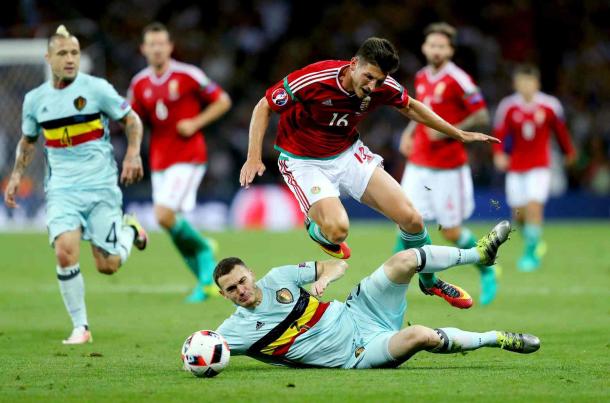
(79, 103)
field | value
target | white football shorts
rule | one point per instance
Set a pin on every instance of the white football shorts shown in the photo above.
(443, 195)
(528, 186)
(176, 187)
(311, 180)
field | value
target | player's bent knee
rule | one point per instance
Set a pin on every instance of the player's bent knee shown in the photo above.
(336, 231)
(421, 337)
(403, 264)
(412, 221)
(165, 217)
(65, 256)
(339, 232)
(451, 234)
(107, 266)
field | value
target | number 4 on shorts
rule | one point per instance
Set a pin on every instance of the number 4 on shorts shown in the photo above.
(111, 237)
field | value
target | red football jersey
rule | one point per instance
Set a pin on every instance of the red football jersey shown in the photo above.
(529, 126)
(452, 94)
(180, 93)
(318, 117)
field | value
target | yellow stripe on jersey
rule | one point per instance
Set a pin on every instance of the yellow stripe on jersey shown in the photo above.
(295, 328)
(72, 130)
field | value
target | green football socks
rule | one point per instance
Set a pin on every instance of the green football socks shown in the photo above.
(194, 248)
(316, 234)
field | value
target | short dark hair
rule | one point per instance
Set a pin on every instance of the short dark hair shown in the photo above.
(156, 27)
(527, 69)
(442, 28)
(381, 53)
(225, 266)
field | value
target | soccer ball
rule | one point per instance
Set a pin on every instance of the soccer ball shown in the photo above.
(205, 354)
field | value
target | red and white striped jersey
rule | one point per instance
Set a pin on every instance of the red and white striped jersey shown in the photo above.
(318, 117)
(180, 93)
(525, 128)
(453, 95)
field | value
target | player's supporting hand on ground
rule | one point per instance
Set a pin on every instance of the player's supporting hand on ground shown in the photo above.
(132, 163)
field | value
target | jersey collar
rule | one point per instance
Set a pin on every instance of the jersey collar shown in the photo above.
(439, 74)
(528, 105)
(158, 80)
(343, 90)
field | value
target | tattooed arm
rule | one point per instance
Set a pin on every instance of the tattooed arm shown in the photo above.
(25, 154)
(132, 163)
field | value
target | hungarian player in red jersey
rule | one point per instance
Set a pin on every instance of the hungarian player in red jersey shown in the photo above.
(437, 177)
(321, 154)
(177, 101)
(528, 117)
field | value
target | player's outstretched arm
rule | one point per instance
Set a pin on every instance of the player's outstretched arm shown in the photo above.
(25, 154)
(132, 163)
(258, 126)
(327, 272)
(420, 113)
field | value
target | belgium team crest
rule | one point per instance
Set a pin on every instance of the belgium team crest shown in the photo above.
(284, 296)
(79, 103)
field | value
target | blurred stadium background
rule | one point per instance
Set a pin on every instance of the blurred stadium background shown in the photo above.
(247, 46)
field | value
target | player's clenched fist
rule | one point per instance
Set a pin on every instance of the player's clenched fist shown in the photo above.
(132, 170)
(249, 171)
(187, 127)
(317, 288)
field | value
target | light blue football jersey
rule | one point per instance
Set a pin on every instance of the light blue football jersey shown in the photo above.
(291, 327)
(74, 123)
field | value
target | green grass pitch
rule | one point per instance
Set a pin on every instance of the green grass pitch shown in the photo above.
(139, 321)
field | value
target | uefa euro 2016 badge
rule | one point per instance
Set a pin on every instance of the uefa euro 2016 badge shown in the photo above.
(279, 97)
(365, 103)
(284, 296)
(79, 103)
(172, 88)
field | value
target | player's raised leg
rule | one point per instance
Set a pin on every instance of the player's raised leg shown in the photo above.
(326, 220)
(328, 225)
(112, 234)
(463, 238)
(385, 195)
(72, 285)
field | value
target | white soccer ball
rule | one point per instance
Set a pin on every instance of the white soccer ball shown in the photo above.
(205, 353)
